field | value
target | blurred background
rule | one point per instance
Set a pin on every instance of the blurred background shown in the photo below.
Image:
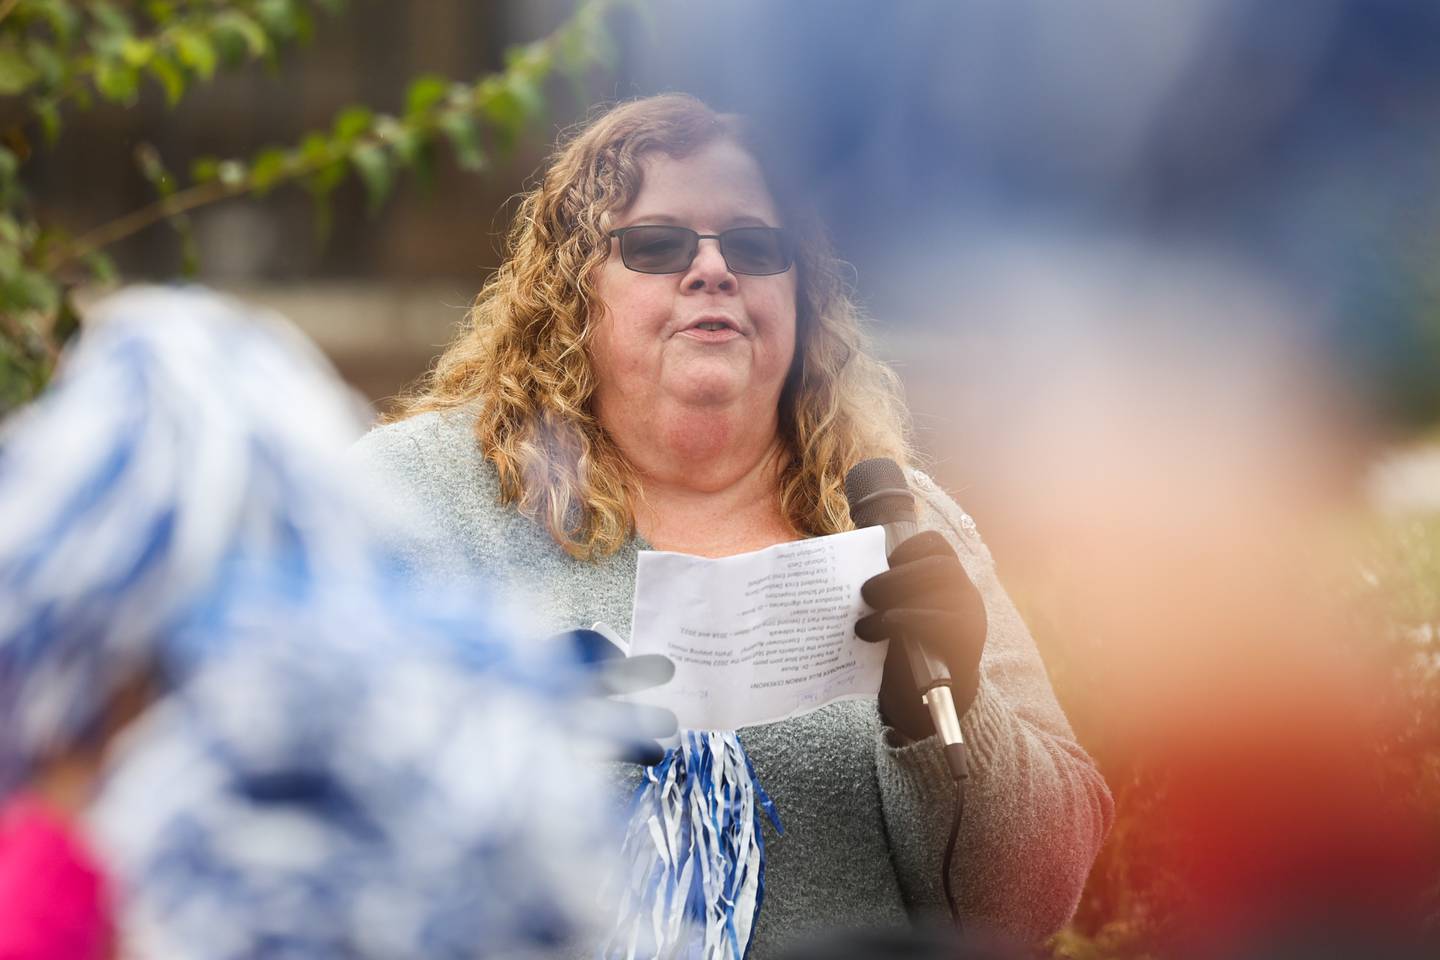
(1160, 282)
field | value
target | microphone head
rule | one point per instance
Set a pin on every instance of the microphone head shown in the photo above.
(877, 493)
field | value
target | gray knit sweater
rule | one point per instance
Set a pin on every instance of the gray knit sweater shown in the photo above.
(865, 822)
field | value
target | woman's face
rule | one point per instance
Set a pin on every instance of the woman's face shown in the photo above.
(703, 337)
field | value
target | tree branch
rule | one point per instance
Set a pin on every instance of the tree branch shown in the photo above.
(211, 192)
(172, 206)
(137, 220)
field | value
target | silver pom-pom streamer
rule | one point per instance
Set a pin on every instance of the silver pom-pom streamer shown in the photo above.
(693, 860)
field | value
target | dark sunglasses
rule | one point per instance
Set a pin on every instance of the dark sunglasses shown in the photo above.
(659, 248)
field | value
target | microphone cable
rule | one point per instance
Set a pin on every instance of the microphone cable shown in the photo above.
(949, 859)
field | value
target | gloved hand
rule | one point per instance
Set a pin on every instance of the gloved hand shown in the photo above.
(635, 728)
(926, 598)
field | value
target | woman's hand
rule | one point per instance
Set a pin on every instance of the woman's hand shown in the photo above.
(636, 729)
(926, 598)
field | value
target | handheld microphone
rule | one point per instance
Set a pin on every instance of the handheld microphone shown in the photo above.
(878, 496)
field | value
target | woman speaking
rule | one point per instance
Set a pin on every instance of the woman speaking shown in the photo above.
(669, 360)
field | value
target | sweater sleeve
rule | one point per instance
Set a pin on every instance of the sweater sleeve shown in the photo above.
(1036, 808)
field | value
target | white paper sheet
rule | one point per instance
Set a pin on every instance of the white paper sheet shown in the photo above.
(761, 636)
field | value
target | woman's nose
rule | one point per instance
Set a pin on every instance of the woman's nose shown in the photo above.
(708, 271)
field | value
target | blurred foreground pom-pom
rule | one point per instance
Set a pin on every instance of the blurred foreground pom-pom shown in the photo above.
(186, 437)
(342, 789)
(342, 761)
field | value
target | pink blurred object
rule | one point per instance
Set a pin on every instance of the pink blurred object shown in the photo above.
(53, 902)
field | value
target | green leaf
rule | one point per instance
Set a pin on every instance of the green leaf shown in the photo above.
(285, 19)
(10, 262)
(205, 169)
(102, 268)
(321, 184)
(526, 92)
(505, 111)
(585, 41)
(424, 93)
(464, 135)
(420, 161)
(242, 26)
(275, 13)
(42, 240)
(117, 81)
(62, 17)
(9, 168)
(353, 122)
(573, 51)
(328, 177)
(304, 30)
(160, 11)
(267, 169)
(27, 289)
(47, 63)
(152, 168)
(21, 377)
(67, 323)
(189, 249)
(314, 148)
(407, 144)
(136, 52)
(111, 18)
(16, 71)
(196, 51)
(170, 77)
(373, 164)
(147, 158)
(514, 58)
(511, 104)
(49, 116)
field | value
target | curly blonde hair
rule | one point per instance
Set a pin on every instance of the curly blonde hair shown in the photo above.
(522, 356)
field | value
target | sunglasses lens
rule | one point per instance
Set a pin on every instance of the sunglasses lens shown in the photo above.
(755, 250)
(657, 249)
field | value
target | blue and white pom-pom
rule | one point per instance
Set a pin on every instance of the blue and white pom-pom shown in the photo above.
(341, 765)
(693, 860)
(184, 437)
(329, 785)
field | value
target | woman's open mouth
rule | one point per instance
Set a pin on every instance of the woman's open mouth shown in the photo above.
(712, 330)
